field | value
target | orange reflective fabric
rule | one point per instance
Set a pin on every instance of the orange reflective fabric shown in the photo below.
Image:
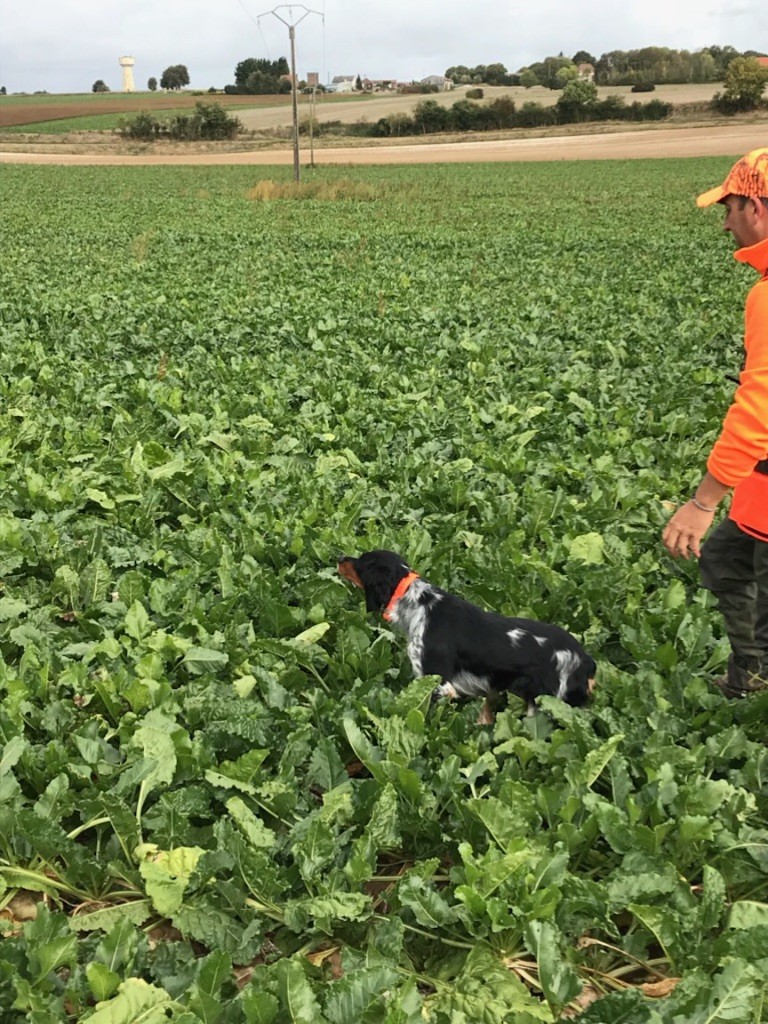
(743, 441)
(749, 508)
(400, 589)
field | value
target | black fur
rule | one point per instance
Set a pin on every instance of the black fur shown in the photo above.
(479, 653)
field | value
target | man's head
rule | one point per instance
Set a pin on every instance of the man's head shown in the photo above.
(744, 194)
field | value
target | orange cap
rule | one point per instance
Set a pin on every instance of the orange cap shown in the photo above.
(747, 177)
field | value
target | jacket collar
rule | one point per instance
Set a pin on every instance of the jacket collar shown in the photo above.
(399, 591)
(755, 255)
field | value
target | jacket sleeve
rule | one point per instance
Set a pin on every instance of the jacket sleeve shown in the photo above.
(743, 441)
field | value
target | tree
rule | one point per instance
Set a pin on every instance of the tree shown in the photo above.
(459, 75)
(528, 78)
(745, 82)
(583, 57)
(174, 77)
(3, 91)
(496, 74)
(567, 73)
(261, 66)
(152, 84)
(430, 116)
(578, 95)
(99, 86)
(722, 55)
(359, 84)
(546, 70)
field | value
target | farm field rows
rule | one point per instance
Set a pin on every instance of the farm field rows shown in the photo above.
(63, 113)
(29, 110)
(222, 795)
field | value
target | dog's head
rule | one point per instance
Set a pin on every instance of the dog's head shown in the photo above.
(377, 573)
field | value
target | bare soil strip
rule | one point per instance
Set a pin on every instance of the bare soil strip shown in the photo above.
(723, 140)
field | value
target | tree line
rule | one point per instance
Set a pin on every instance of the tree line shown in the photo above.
(260, 77)
(578, 102)
(658, 65)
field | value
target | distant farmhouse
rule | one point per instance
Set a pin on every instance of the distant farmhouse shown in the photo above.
(347, 83)
(586, 72)
(442, 83)
(379, 84)
(342, 83)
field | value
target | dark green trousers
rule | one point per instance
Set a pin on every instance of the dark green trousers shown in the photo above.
(734, 566)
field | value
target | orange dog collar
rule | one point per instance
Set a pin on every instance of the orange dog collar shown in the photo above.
(400, 590)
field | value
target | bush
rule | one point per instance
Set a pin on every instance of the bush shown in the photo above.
(500, 113)
(643, 87)
(209, 122)
(576, 102)
(417, 89)
(612, 108)
(464, 116)
(430, 116)
(655, 110)
(534, 115)
(475, 94)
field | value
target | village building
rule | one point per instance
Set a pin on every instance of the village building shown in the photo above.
(442, 83)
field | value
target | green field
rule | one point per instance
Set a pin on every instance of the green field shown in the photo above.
(92, 123)
(222, 796)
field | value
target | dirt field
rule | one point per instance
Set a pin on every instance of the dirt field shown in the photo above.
(374, 107)
(15, 110)
(724, 140)
(259, 112)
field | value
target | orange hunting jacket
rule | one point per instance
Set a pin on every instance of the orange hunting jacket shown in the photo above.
(737, 458)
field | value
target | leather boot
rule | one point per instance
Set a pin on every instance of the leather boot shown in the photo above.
(744, 676)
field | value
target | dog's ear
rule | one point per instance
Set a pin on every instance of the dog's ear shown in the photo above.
(379, 579)
(379, 587)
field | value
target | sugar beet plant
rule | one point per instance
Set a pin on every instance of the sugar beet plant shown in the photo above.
(223, 798)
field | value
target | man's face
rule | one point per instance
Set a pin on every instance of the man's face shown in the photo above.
(745, 219)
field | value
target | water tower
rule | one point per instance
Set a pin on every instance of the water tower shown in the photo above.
(126, 63)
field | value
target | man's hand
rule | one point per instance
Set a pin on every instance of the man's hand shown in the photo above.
(685, 531)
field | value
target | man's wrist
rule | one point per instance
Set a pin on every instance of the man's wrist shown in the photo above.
(709, 493)
(701, 507)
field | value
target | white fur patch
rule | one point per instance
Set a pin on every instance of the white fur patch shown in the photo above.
(516, 635)
(566, 662)
(468, 685)
(540, 640)
(446, 690)
(410, 615)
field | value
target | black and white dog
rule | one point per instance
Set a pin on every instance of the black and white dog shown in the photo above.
(477, 653)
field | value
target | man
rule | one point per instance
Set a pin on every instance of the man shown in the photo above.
(734, 561)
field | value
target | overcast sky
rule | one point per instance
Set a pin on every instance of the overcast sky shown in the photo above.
(65, 45)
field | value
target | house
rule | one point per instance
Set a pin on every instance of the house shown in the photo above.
(379, 84)
(442, 83)
(586, 72)
(342, 83)
(763, 62)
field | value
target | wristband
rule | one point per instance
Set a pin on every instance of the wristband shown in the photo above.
(700, 507)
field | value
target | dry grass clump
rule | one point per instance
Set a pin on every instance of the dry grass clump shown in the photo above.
(340, 188)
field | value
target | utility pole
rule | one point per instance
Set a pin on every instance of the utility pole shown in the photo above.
(291, 25)
(312, 127)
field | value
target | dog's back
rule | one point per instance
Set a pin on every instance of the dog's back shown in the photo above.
(521, 656)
